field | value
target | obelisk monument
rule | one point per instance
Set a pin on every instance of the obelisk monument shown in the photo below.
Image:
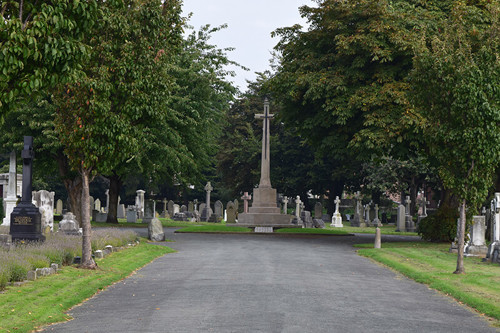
(265, 210)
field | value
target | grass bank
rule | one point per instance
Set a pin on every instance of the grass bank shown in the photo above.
(122, 223)
(44, 301)
(433, 265)
(385, 230)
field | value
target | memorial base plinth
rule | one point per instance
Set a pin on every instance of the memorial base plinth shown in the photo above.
(26, 223)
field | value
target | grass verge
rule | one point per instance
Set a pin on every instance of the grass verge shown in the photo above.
(122, 223)
(385, 230)
(433, 265)
(44, 301)
(224, 229)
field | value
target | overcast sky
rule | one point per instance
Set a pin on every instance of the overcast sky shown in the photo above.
(250, 24)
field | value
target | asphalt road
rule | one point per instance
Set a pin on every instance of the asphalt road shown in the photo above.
(252, 283)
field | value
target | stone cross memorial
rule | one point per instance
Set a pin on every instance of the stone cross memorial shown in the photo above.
(26, 220)
(265, 211)
(337, 217)
(245, 199)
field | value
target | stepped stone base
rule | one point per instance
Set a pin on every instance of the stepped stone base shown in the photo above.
(264, 211)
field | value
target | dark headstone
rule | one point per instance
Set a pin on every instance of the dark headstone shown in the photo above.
(319, 223)
(26, 220)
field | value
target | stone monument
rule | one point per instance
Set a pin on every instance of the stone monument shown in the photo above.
(264, 210)
(358, 220)
(245, 199)
(11, 200)
(376, 221)
(410, 225)
(26, 220)
(139, 203)
(337, 217)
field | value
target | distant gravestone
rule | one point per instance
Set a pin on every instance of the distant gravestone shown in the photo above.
(59, 207)
(401, 221)
(236, 205)
(132, 215)
(184, 209)
(121, 211)
(202, 207)
(155, 230)
(285, 205)
(44, 201)
(139, 203)
(478, 232)
(306, 218)
(101, 217)
(149, 211)
(190, 206)
(318, 210)
(358, 219)
(97, 204)
(376, 221)
(177, 209)
(231, 212)
(164, 211)
(218, 208)
(69, 225)
(91, 205)
(171, 208)
(246, 197)
(337, 217)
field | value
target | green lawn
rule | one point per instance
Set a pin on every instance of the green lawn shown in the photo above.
(44, 301)
(313, 231)
(122, 223)
(433, 265)
(215, 228)
(385, 230)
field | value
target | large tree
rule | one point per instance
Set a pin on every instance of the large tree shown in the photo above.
(456, 89)
(41, 45)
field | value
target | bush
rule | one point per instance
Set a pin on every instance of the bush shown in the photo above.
(439, 227)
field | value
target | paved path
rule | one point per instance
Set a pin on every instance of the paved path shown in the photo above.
(252, 283)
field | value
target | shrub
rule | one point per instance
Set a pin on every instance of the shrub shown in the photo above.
(18, 266)
(439, 227)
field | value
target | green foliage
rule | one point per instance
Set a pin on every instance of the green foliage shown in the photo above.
(439, 227)
(41, 45)
(456, 84)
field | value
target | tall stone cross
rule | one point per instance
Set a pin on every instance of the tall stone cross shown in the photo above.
(209, 189)
(408, 202)
(245, 199)
(337, 203)
(285, 205)
(265, 180)
(27, 155)
(297, 207)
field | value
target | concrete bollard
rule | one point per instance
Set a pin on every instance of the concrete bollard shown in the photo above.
(378, 240)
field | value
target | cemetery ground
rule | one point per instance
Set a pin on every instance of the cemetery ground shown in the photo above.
(325, 265)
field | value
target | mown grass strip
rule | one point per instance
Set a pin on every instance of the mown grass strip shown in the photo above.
(44, 301)
(122, 223)
(385, 230)
(431, 264)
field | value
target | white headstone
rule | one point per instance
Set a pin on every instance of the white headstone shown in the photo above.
(59, 207)
(11, 200)
(337, 217)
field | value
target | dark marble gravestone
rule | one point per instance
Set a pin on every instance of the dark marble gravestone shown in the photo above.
(26, 220)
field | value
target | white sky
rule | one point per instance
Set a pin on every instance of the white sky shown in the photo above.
(250, 24)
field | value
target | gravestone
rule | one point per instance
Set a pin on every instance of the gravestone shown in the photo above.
(376, 222)
(101, 217)
(131, 214)
(26, 220)
(149, 211)
(337, 217)
(306, 218)
(297, 220)
(177, 209)
(97, 204)
(367, 214)
(285, 205)
(155, 229)
(190, 207)
(358, 219)
(494, 247)
(107, 201)
(69, 225)
(236, 206)
(401, 219)
(44, 200)
(218, 208)
(207, 211)
(184, 209)
(246, 197)
(11, 200)
(203, 206)
(318, 210)
(410, 225)
(171, 208)
(121, 214)
(139, 203)
(477, 244)
(59, 207)
(231, 213)
(195, 202)
(164, 211)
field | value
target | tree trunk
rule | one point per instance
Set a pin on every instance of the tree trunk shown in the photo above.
(461, 235)
(87, 261)
(73, 184)
(115, 184)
